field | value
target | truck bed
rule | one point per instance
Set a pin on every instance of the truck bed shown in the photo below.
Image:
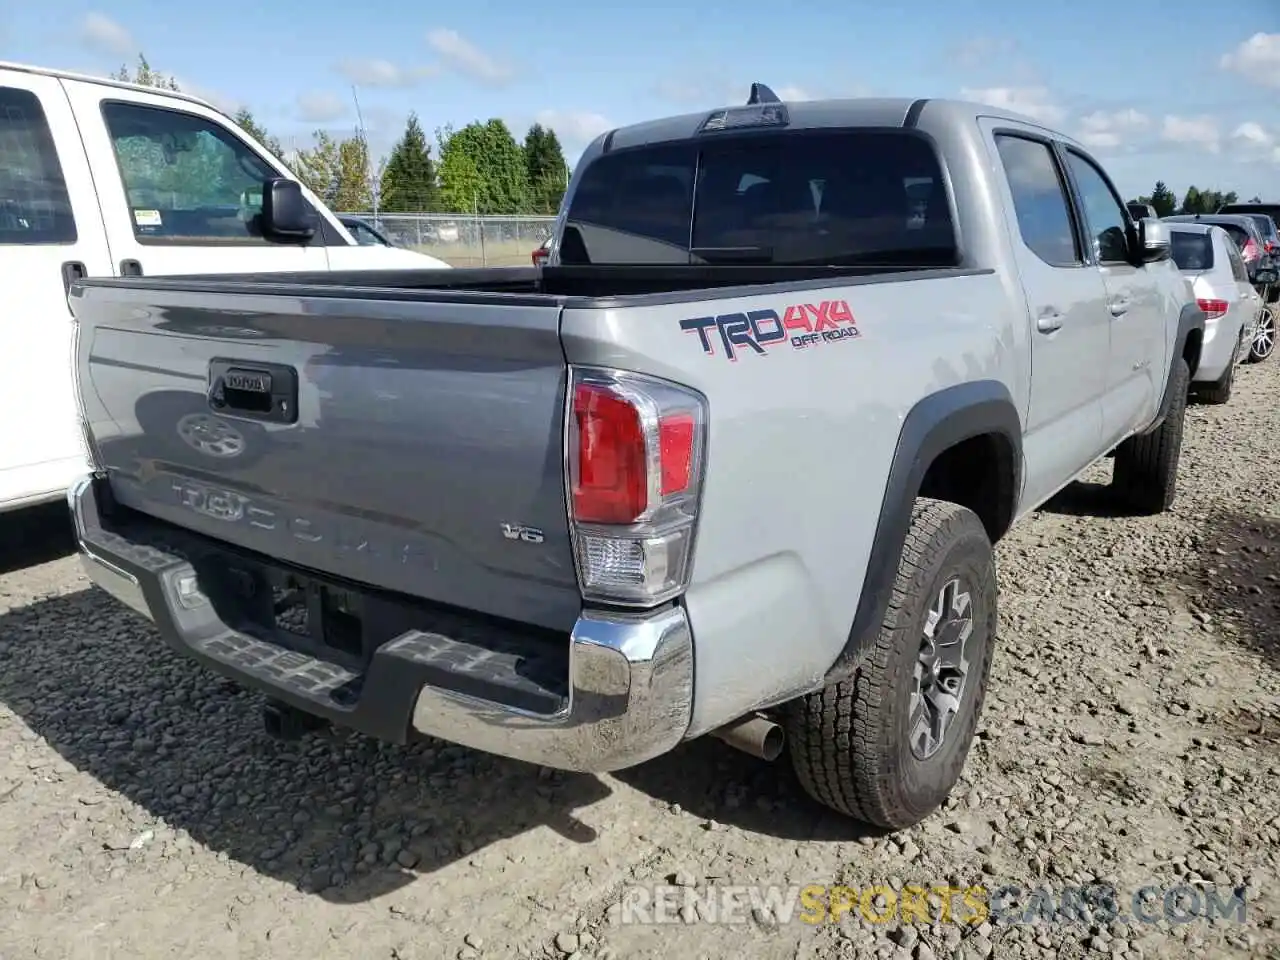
(398, 429)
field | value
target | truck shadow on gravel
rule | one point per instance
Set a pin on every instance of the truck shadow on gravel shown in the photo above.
(1234, 581)
(35, 535)
(334, 814)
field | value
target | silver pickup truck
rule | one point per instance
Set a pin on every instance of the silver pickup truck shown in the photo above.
(732, 463)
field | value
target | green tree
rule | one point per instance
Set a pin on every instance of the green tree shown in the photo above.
(245, 120)
(318, 168)
(146, 76)
(352, 190)
(408, 181)
(547, 169)
(482, 168)
(1205, 201)
(1163, 199)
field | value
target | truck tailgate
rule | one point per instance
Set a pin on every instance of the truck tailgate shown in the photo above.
(408, 444)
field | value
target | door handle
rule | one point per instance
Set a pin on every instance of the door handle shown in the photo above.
(130, 268)
(1049, 320)
(1118, 306)
(72, 271)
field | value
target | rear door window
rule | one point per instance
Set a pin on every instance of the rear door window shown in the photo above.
(34, 204)
(1192, 251)
(841, 198)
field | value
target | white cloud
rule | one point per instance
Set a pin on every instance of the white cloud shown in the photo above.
(1035, 102)
(1257, 58)
(1201, 131)
(574, 127)
(792, 93)
(99, 32)
(723, 91)
(1252, 133)
(466, 58)
(322, 107)
(372, 72)
(1107, 130)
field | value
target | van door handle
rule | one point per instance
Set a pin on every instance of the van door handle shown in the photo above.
(130, 268)
(72, 271)
(1118, 306)
(1049, 320)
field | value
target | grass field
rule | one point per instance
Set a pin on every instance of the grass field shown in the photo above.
(510, 253)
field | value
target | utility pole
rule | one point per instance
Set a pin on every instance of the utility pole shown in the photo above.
(368, 159)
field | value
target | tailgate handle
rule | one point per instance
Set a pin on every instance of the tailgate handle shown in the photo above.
(256, 391)
(72, 271)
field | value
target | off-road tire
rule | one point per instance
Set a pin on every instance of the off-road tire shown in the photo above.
(1145, 475)
(849, 742)
(1219, 391)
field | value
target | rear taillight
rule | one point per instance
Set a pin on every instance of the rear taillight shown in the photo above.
(540, 255)
(1270, 245)
(1250, 251)
(1213, 309)
(636, 456)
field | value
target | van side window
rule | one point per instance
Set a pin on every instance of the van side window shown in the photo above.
(186, 179)
(1039, 200)
(34, 205)
(1106, 215)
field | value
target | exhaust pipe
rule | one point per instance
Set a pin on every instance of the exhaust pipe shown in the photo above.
(754, 735)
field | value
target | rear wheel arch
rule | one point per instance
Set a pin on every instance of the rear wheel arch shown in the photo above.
(962, 444)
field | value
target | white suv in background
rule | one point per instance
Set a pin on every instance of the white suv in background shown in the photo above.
(104, 178)
(1219, 281)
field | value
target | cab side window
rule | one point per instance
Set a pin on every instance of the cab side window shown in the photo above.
(1106, 215)
(186, 179)
(34, 205)
(1039, 200)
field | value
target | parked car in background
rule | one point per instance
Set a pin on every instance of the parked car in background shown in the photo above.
(1244, 230)
(1141, 211)
(1272, 210)
(542, 252)
(101, 178)
(364, 232)
(1208, 259)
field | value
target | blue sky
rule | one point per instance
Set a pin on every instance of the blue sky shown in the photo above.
(1160, 89)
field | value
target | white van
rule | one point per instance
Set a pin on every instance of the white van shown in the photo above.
(104, 178)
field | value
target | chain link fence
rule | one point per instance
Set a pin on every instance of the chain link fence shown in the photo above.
(465, 241)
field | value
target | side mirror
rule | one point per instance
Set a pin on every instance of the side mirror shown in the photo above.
(285, 213)
(1153, 241)
(1265, 276)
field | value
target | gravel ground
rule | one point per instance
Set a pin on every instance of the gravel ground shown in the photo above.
(1132, 737)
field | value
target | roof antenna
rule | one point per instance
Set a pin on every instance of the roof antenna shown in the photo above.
(762, 94)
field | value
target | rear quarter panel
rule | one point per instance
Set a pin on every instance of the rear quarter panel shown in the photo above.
(800, 445)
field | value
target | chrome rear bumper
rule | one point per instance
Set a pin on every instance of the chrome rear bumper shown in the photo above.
(630, 677)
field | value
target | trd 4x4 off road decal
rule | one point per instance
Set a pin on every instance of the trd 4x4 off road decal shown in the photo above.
(800, 326)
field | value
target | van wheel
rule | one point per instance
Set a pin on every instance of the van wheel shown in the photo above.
(1146, 468)
(887, 745)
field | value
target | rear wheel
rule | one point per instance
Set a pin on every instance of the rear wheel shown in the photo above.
(887, 745)
(1146, 467)
(1264, 341)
